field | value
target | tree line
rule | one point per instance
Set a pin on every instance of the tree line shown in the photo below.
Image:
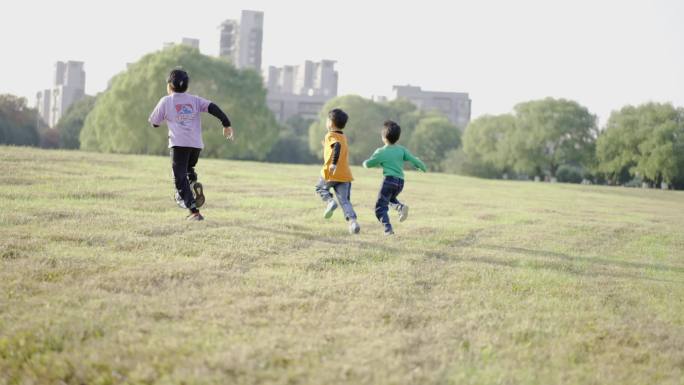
(558, 139)
(548, 139)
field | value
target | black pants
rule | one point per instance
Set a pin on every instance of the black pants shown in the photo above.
(183, 162)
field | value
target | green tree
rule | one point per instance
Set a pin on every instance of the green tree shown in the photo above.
(118, 122)
(433, 138)
(647, 140)
(292, 145)
(552, 132)
(617, 147)
(18, 123)
(407, 115)
(71, 123)
(487, 145)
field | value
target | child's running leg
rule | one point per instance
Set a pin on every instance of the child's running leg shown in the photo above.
(391, 187)
(394, 203)
(343, 194)
(195, 186)
(179, 163)
(323, 190)
(192, 162)
(381, 207)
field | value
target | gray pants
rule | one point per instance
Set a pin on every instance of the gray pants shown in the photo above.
(342, 192)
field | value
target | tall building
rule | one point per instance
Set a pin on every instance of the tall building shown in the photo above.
(228, 41)
(241, 42)
(43, 100)
(300, 89)
(251, 39)
(455, 105)
(308, 78)
(68, 88)
(316, 78)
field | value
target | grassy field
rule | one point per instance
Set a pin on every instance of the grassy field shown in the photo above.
(102, 281)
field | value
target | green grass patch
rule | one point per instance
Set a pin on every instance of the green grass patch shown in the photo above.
(102, 281)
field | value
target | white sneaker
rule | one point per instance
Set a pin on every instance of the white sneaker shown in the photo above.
(403, 213)
(179, 201)
(354, 227)
(330, 208)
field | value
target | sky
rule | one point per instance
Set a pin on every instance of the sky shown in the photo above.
(603, 54)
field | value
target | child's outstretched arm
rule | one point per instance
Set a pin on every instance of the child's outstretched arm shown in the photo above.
(417, 163)
(157, 116)
(220, 115)
(374, 160)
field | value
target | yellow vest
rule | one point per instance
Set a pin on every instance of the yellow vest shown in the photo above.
(343, 172)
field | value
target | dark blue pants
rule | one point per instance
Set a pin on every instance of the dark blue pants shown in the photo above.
(391, 187)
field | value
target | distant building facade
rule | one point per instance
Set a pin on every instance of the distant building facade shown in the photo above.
(190, 42)
(241, 42)
(43, 100)
(300, 89)
(68, 88)
(228, 40)
(455, 105)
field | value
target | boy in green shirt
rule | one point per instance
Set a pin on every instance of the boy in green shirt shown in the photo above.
(391, 158)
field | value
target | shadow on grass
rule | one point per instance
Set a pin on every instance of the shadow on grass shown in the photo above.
(592, 260)
(470, 241)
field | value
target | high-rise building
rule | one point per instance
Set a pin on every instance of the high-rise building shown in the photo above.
(68, 88)
(228, 41)
(308, 78)
(251, 39)
(43, 100)
(316, 78)
(301, 89)
(241, 42)
(455, 105)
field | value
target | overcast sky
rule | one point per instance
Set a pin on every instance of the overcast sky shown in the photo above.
(603, 54)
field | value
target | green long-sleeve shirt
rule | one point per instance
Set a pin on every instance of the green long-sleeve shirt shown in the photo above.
(391, 158)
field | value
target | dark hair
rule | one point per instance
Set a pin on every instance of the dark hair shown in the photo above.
(179, 80)
(338, 117)
(391, 131)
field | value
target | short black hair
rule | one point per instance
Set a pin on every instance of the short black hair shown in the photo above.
(179, 80)
(338, 117)
(391, 131)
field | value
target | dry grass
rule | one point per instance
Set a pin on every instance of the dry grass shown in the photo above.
(488, 282)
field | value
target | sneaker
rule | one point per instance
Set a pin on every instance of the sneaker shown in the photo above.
(389, 232)
(330, 208)
(195, 217)
(198, 190)
(179, 201)
(354, 227)
(403, 212)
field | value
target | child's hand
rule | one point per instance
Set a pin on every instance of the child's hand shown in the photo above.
(228, 133)
(332, 168)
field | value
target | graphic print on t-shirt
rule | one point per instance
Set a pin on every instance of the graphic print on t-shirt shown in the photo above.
(184, 114)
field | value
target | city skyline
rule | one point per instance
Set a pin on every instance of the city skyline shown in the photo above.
(68, 87)
(602, 55)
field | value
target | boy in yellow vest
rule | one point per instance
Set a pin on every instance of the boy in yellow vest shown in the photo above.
(336, 173)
